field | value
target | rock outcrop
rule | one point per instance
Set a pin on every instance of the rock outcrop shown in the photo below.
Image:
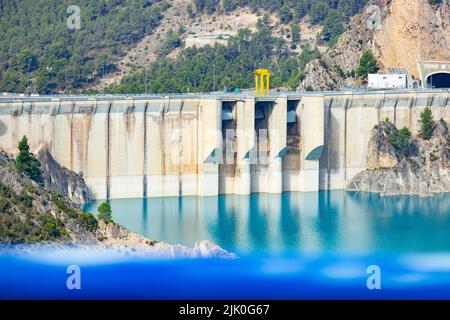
(422, 167)
(399, 33)
(319, 77)
(201, 250)
(61, 179)
(381, 153)
(114, 236)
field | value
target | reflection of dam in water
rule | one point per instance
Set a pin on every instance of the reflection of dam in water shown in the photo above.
(335, 221)
(131, 147)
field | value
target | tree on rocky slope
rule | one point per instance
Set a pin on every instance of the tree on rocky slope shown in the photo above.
(367, 64)
(332, 28)
(27, 163)
(105, 212)
(427, 124)
(400, 139)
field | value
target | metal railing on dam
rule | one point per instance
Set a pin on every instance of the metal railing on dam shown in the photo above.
(11, 97)
(129, 146)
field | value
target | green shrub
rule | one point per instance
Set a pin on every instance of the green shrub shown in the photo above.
(433, 157)
(171, 42)
(5, 205)
(26, 200)
(31, 189)
(295, 30)
(52, 228)
(332, 27)
(88, 221)
(400, 140)
(62, 207)
(6, 191)
(59, 203)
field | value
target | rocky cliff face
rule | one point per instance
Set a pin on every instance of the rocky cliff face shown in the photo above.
(413, 31)
(381, 153)
(61, 179)
(399, 33)
(422, 167)
(319, 77)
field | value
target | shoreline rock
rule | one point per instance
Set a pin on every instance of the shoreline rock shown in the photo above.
(204, 249)
(116, 236)
(421, 167)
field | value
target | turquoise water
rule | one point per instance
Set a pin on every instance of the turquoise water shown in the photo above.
(290, 246)
(323, 222)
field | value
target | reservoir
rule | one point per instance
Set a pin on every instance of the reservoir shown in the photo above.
(317, 245)
(336, 222)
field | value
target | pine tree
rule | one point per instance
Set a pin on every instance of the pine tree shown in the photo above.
(105, 212)
(427, 124)
(27, 163)
(367, 64)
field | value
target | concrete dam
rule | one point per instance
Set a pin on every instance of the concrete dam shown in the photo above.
(206, 145)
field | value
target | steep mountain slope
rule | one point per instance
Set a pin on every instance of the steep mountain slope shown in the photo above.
(281, 35)
(316, 44)
(412, 31)
(40, 53)
(203, 29)
(399, 33)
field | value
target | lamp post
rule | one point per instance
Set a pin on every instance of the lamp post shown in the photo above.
(146, 77)
(214, 78)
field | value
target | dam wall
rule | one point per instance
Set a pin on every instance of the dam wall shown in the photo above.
(205, 145)
(349, 119)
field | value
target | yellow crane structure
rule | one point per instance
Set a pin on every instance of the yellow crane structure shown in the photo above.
(262, 81)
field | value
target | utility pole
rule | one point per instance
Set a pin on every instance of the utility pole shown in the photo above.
(214, 78)
(28, 78)
(146, 77)
(103, 76)
(367, 70)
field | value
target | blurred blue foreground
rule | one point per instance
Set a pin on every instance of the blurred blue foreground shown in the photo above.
(308, 277)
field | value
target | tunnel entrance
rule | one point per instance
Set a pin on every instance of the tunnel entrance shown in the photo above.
(439, 80)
